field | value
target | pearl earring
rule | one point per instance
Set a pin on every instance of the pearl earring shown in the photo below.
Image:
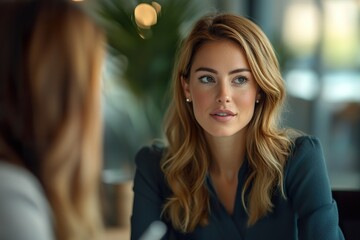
(188, 100)
(257, 101)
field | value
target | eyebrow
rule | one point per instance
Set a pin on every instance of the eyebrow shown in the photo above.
(238, 70)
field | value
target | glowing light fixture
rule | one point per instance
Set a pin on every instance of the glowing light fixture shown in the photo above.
(145, 15)
(157, 7)
(342, 33)
(302, 27)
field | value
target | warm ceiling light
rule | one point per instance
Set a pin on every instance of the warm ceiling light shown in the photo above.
(145, 15)
(157, 7)
(301, 29)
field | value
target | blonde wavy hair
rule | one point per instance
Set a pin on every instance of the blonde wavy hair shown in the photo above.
(186, 161)
(51, 55)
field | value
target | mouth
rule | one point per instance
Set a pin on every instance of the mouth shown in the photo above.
(223, 113)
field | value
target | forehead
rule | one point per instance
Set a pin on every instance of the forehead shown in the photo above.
(220, 53)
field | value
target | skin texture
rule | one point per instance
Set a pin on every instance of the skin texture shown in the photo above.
(220, 80)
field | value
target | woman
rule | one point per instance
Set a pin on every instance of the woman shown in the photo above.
(50, 130)
(228, 170)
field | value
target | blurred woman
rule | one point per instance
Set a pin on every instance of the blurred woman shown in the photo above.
(51, 57)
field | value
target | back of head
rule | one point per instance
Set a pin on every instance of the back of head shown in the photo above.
(50, 64)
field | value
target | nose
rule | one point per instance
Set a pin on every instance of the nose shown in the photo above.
(223, 94)
(225, 99)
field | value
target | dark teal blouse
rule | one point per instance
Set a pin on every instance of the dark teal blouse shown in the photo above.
(308, 212)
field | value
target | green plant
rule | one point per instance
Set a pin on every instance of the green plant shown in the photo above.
(145, 57)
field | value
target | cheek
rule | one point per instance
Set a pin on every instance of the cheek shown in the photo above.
(246, 101)
(200, 101)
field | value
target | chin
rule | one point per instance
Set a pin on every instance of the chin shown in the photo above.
(221, 133)
(225, 132)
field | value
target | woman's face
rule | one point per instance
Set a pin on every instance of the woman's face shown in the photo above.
(222, 89)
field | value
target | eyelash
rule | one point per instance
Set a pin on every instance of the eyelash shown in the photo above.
(202, 79)
(243, 79)
(209, 79)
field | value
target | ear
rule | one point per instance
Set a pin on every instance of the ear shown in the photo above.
(259, 94)
(186, 88)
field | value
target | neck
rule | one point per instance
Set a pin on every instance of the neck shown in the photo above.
(227, 156)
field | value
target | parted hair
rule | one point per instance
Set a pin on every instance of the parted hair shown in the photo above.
(51, 55)
(187, 159)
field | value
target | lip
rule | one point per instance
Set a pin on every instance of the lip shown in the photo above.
(223, 115)
(223, 112)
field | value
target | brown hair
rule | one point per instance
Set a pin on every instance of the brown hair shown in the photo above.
(51, 55)
(186, 162)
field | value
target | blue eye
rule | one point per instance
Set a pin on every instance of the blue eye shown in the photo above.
(240, 80)
(206, 79)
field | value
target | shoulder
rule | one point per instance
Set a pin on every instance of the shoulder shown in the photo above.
(306, 142)
(306, 164)
(14, 179)
(22, 204)
(148, 169)
(150, 155)
(306, 150)
(148, 160)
